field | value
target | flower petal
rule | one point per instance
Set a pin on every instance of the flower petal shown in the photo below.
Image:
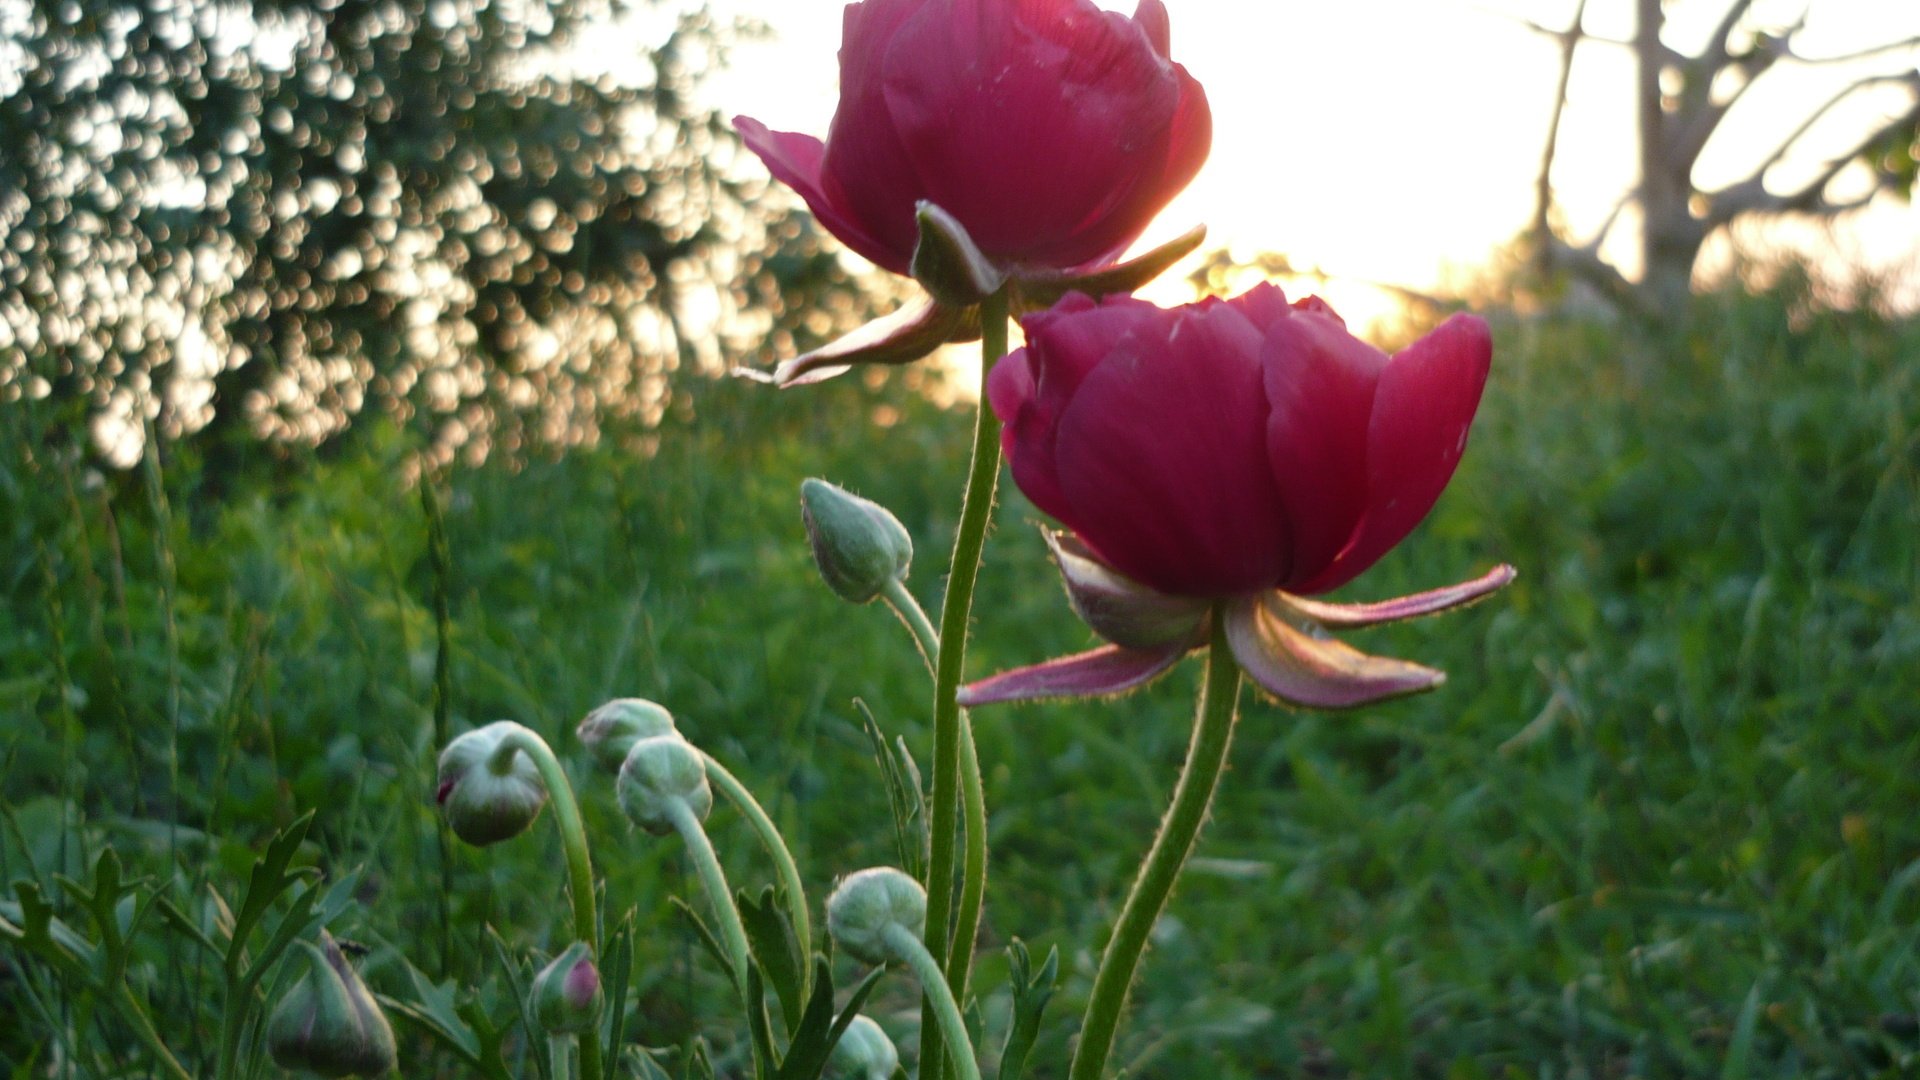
(1161, 457)
(1319, 383)
(1319, 673)
(981, 92)
(796, 160)
(1427, 396)
(1405, 607)
(866, 169)
(1124, 612)
(902, 337)
(1100, 672)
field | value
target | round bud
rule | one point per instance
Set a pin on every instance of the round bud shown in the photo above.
(858, 545)
(566, 993)
(328, 1023)
(868, 902)
(487, 792)
(657, 773)
(611, 730)
(863, 1053)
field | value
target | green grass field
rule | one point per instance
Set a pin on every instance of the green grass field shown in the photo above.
(1661, 822)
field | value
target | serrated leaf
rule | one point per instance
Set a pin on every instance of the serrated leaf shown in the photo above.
(906, 802)
(268, 879)
(776, 949)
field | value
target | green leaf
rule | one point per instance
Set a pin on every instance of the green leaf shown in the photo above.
(776, 948)
(699, 1062)
(1030, 996)
(759, 1025)
(820, 1029)
(616, 967)
(706, 935)
(268, 879)
(522, 998)
(905, 798)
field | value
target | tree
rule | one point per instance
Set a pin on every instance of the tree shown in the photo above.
(232, 220)
(1681, 102)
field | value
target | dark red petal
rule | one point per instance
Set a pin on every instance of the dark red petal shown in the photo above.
(1318, 673)
(1320, 385)
(1189, 140)
(1151, 16)
(1162, 458)
(1124, 612)
(795, 160)
(1406, 607)
(1031, 120)
(866, 170)
(902, 337)
(1101, 672)
(1421, 412)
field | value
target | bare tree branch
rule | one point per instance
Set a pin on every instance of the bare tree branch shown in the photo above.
(1751, 195)
(1863, 54)
(1543, 185)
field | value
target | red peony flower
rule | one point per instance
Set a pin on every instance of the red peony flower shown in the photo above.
(1242, 454)
(1051, 130)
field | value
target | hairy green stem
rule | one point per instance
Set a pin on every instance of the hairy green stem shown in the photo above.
(573, 838)
(706, 863)
(1206, 756)
(951, 736)
(915, 617)
(770, 838)
(912, 952)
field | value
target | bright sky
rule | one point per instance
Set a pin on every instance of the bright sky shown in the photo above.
(1396, 140)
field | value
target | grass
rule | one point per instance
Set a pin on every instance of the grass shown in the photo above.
(1658, 823)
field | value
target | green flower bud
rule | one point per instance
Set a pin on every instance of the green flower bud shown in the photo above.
(858, 546)
(866, 903)
(328, 1023)
(611, 730)
(487, 795)
(658, 772)
(863, 1053)
(566, 993)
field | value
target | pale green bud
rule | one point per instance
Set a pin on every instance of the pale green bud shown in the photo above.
(863, 1053)
(611, 730)
(328, 1023)
(488, 795)
(566, 994)
(868, 902)
(858, 545)
(657, 773)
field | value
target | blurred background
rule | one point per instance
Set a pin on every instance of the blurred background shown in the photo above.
(292, 291)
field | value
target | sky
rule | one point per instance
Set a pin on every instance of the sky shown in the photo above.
(1397, 141)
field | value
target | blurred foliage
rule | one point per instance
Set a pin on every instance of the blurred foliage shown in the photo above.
(223, 221)
(1658, 822)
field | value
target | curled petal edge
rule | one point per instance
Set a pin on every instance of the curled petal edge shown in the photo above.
(1101, 672)
(1412, 606)
(1037, 291)
(1272, 640)
(1118, 608)
(900, 338)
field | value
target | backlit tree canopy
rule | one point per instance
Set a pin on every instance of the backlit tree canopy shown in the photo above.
(240, 219)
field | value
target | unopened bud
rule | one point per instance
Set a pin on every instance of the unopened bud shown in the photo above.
(658, 773)
(328, 1023)
(566, 993)
(611, 730)
(488, 796)
(863, 1053)
(866, 904)
(858, 545)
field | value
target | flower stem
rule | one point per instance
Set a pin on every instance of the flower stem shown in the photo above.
(573, 838)
(915, 617)
(950, 734)
(909, 949)
(1206, 756)
(784, 866)
(706, 863)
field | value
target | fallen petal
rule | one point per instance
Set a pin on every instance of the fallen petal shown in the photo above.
(1319, 673)
(1101, 672)
(1404, 607)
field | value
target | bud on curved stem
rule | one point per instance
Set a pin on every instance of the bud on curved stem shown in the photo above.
(776, 846)
(663, 788)
(609, 731)
(864, 1052)
(488, 792)
(566, 994)
(858, 545)
(877, 916)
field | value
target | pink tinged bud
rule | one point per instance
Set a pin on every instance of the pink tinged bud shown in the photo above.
(328, 1023)
(486, 792)
(1051, 130)
(566, 993)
